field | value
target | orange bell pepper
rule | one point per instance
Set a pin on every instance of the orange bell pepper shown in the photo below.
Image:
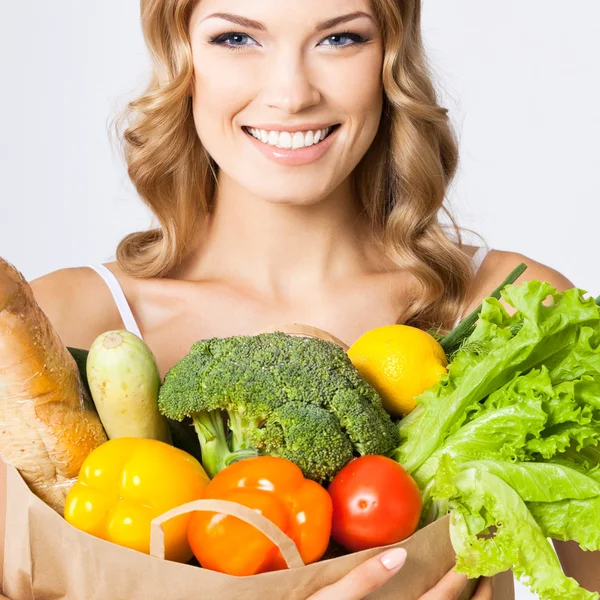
(275, 488)
(125, 483)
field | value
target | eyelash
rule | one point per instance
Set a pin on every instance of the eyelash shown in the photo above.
(218, 40)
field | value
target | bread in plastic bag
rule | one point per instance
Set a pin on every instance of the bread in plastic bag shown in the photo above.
(48, 424)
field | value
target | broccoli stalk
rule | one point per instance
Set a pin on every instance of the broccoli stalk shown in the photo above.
(216, 453)
(213, 442)
(240, 428)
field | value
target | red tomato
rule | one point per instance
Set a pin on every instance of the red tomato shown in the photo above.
(375, 503)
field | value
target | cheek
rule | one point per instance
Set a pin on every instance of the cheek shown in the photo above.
(357, 89)
(368, 96)
(217, 98)
(358, 79)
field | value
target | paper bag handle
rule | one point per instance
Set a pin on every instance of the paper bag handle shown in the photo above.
(286, 546)
(300, 330)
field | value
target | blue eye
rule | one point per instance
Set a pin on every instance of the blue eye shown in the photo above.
(354, 38)
(235, 40)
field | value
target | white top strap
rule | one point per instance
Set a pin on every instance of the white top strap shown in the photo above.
(117, 293)
(479, 257)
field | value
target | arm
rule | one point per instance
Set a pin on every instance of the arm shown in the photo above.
(498, 264)
(78, 304)
(582, 566)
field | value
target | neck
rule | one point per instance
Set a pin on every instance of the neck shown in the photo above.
(279, 250)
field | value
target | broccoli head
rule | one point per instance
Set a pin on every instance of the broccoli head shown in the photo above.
(277, 394)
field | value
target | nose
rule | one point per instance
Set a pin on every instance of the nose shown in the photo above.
(288, 84)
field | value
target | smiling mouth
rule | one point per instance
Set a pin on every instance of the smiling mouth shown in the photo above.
(291, 141)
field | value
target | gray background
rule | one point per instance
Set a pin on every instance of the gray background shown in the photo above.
(520, 78)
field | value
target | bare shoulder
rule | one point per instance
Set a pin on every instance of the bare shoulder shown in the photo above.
(78, 304)
(499, 263)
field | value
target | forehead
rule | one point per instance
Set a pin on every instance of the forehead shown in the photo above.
(300, 12)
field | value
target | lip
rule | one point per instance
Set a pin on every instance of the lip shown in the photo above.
(291, 128)
(300, 156)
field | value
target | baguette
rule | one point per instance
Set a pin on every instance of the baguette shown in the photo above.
(47, 422)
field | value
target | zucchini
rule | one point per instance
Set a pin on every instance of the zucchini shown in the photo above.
(80, 357)
(124, 383)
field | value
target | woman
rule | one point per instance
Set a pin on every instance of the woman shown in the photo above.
(296, 160)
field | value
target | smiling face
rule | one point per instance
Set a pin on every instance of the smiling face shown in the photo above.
(287, 95)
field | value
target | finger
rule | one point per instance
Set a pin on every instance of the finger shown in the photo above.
(448, 588)
(365, 578)
(484, 590)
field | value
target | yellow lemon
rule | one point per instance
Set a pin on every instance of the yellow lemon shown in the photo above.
(400, 362)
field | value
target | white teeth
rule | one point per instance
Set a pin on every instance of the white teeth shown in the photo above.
(297, 140)
(287, 140)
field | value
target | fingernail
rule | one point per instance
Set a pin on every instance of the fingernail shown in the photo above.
(394, 558)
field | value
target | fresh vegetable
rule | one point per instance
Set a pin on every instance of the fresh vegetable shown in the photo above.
(375, 503)
(400, 362)
(127, 482)
(281, 395)
(276, 488)
(182, 436)
(124, 382)
(500, 347)
(452, 341)
(508, 440)
(80, 357)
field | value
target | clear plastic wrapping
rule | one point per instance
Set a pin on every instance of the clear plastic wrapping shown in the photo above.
(48, 424)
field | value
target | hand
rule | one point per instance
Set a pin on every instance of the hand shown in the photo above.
(365, 578)
(373, 573)
(452, 584)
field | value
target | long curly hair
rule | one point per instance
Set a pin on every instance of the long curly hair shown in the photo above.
(401, 182)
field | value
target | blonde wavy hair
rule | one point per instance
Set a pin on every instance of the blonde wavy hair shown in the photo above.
(401, 181)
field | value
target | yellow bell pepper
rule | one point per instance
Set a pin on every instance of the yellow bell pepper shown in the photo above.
(125, 483)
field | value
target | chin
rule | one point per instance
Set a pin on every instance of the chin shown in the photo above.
(290, 189)
(282, 185)
(289, 197)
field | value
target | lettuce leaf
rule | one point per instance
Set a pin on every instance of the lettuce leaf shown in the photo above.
(508, 441)
(541, 482)
(506, 345)
(526, 419)
(569, 520)
(494, 434)
(580, 359)
(571, 421)
(585, 459)
(478, 500)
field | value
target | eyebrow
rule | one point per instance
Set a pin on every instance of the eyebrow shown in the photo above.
(252, 24)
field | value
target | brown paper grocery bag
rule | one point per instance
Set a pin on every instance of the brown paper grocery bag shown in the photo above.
(46, 558)
(2, 516)
(42, 556)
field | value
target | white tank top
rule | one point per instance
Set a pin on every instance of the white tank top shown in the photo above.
(130, 322)
(120, 300)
